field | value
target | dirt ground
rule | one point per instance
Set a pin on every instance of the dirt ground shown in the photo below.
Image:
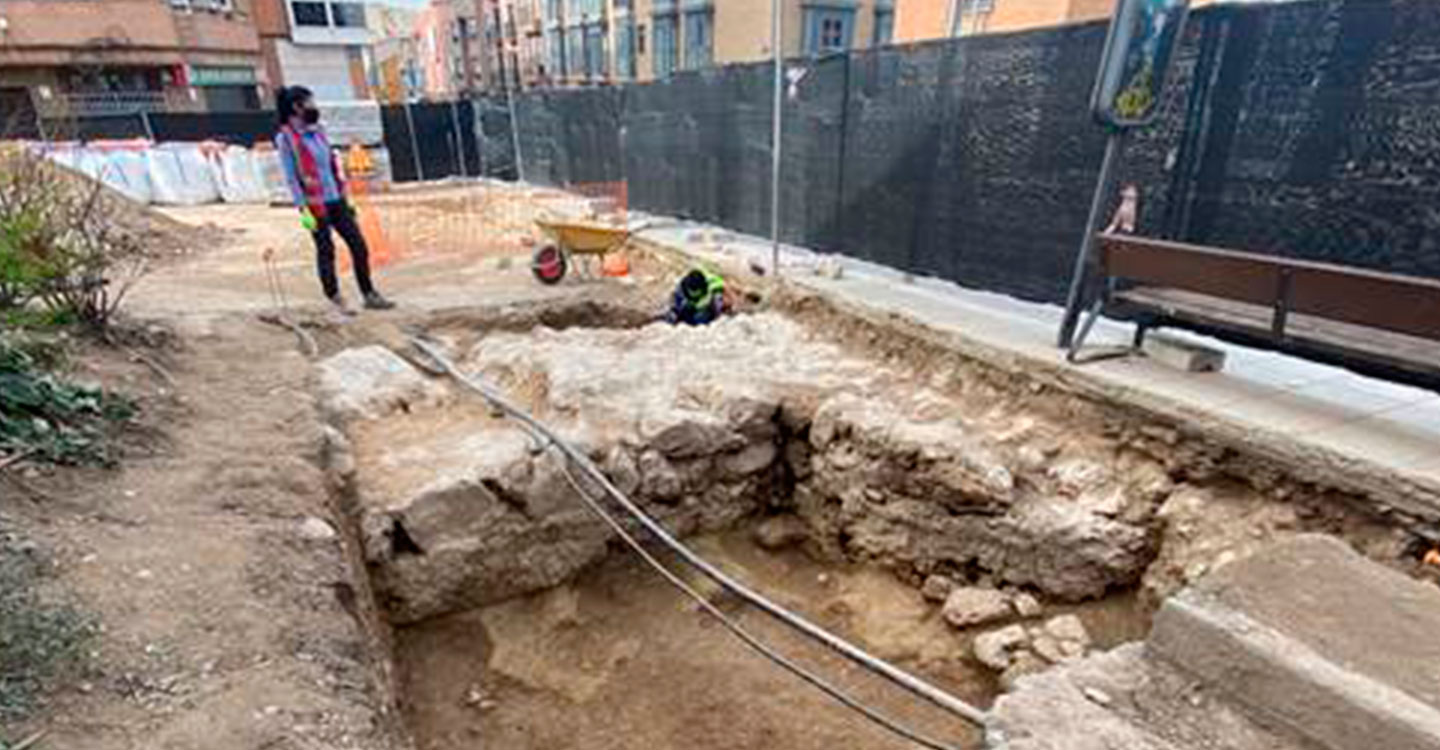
(232, 607)
(209, 558)
(619, 660)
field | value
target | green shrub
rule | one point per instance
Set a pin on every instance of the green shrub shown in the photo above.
(49, 418)
(62, 243)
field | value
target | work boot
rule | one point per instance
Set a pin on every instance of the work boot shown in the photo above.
(341, 306)
(373, 301)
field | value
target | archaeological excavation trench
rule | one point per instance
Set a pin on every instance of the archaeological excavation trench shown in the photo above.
(967, 524)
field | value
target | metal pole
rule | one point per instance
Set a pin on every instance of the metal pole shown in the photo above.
(515, 133)
(145, 122)
(459, 136)
(777, 44)
(414, 144)
(509, 95)
(1104, 186)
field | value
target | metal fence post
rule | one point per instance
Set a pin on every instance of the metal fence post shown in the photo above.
(414, 144)
(778, 43)
(459, 136)
(145, 122)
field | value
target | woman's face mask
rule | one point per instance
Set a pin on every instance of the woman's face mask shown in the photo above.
(310, 115)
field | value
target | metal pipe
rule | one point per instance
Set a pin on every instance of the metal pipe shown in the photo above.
(1103, 187)
(777, 42)
(889, 671)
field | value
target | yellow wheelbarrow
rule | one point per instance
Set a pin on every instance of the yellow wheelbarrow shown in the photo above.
(569, 239)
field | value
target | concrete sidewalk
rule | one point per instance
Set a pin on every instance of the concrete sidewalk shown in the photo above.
(1333, 426)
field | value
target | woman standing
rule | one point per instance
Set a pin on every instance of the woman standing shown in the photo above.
(319, 192)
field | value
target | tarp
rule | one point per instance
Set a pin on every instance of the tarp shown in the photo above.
(237, 176)
(181, 175)
(186, 174)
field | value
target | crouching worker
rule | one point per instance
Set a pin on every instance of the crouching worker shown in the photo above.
(700, 299)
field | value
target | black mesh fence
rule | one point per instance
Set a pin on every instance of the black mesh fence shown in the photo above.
(1302, 128)
(432, 140)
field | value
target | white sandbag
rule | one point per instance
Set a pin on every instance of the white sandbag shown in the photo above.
(128, 172)
(272, 176)
(66, 155)
(180, 175)
(237, 176)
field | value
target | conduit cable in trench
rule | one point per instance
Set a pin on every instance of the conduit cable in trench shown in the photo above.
(548, 439)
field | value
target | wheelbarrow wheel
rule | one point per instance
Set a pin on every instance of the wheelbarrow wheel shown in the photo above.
(548, 264)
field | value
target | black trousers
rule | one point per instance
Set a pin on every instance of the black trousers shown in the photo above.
(341, 218)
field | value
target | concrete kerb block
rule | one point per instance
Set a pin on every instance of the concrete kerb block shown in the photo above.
(1183, 355)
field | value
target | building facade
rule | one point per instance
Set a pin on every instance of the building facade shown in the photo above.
(917, 20)
(320, 44)
(87, 57)
(602, 42)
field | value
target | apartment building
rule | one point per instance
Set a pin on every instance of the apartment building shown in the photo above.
(320, 44)
(87, 57)
(917, 20)
(601, 42)
(396, 74)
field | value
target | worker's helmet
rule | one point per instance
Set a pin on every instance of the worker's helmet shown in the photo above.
(695, 285)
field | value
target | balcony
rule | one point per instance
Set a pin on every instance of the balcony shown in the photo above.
(104, 103)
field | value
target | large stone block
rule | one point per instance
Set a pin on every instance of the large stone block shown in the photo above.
(1310, 636)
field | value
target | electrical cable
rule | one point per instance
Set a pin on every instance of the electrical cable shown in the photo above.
(739, 631)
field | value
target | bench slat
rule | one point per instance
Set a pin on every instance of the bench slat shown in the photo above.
(1342, 340)
(1175, 266)
(1391, 302)
(1411, 308)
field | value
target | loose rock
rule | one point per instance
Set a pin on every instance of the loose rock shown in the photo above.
(1026, 605)
(994, 649)
(965, 607)
(937, 587)
(316, 529)
(1068, 628)
(1021, 664)
(781, 532)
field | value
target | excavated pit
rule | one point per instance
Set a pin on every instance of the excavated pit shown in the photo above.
(863, 491)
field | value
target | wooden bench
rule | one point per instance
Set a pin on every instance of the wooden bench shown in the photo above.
(1376, 323)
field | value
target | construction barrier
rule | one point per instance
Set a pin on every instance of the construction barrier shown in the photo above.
(187, 174)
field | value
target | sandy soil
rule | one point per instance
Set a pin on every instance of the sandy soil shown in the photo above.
(620, 660)
(226, 623)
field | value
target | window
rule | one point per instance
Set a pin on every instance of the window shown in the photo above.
(884, 25)
(640, 40)
(828, 30)
(555, 43)
(699, 39)
(667, 54)
(596, 57)
(309, 13)
(348, 15)
(575, 51)
(625, 49)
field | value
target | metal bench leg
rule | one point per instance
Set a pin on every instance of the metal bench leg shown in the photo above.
(1141, 328)
(1076, 343)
